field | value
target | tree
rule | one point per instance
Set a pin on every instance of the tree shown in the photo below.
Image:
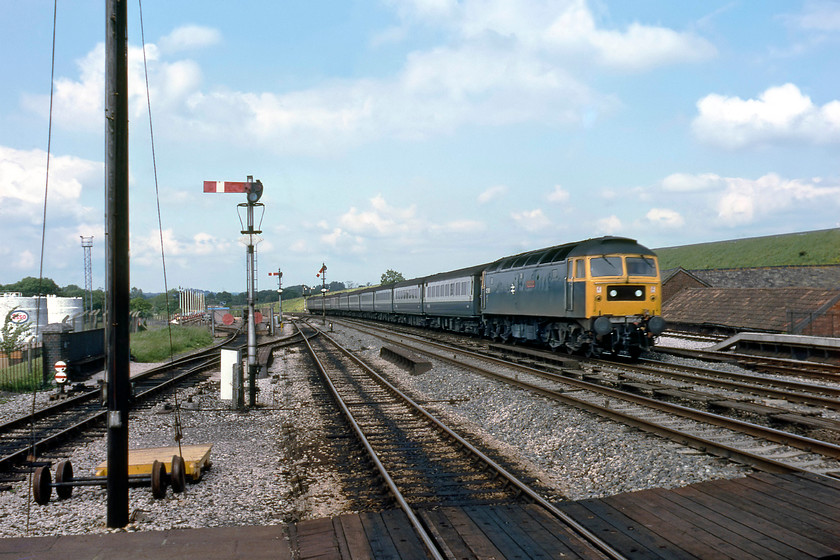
(391, 277)
(13, 334)
(30, 286)
(142, 306)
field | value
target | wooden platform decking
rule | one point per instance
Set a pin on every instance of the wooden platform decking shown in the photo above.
(761, 516)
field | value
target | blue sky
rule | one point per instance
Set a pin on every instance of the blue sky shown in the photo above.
(419, 136)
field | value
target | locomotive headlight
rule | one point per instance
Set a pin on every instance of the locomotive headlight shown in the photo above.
(639, 293)
(613, 293)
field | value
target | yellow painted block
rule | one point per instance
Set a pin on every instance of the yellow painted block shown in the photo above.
(196, 460)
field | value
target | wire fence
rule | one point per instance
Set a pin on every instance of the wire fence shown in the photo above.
(813, 324)
(22, 370)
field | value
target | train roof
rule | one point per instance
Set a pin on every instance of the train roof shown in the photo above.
(588, 247)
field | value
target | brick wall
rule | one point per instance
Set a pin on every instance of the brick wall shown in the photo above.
(84, 352)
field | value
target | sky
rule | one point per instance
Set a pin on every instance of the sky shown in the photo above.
(420, 135)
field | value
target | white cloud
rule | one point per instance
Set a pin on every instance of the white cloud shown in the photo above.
(190, 37)
(609, 225)
(779, 114)
(380, 220)
(531, 220)
(146, 250)
(665, 218)
(818, 15)
(744, 200)
(492, 194)
(501, 63)
(79, 104)
(558, 195)
(564, 29)
(25, 260)
(23, 179)
(684, 182)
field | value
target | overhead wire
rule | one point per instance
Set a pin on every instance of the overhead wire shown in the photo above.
(34, 453)
(178, 425)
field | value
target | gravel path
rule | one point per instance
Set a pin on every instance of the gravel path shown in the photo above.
(270, 467)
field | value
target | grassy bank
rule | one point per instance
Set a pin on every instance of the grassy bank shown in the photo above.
(795, 249)
(153, 345)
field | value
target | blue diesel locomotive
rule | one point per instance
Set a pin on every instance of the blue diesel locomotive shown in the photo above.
(593, 296)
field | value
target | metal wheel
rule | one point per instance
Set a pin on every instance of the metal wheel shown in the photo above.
(178, 478)
(158, 480)
(64, 473)
(42, 485)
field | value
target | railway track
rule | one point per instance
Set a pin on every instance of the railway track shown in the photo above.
(819, 371)
(32, 434)
(424, 464)
(761, 447)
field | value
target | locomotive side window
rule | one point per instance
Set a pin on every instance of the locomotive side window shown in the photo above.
(580, 268)
(606, 266)
(641, 266)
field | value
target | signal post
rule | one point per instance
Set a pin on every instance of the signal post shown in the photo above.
(253, 190)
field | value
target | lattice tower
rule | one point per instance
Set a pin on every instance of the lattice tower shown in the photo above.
(87, 243)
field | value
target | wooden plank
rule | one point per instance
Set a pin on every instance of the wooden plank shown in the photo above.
(773, 509)
(804, 500)
(340, 539)
(828, 481)
(196, 459)
(730, 529)
(494, 529)
(533, 536)
(810, 489)
(354, 535)
(315, 539)
(578, 546)
(402, 534)
(727, 541)
(471, 534)
(644, 508)
(379, 539)
(445, 534)
(621, 532)
(800, 542)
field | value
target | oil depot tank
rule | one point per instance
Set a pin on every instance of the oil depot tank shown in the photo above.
(59, 308)
(28, 310)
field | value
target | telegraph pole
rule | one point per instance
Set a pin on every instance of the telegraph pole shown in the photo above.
(118, 283)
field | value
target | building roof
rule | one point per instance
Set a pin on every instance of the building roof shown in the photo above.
(762, 309)
(669, 273)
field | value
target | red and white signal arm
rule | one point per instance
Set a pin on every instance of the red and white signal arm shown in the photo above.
(225, 187)
(60, 372)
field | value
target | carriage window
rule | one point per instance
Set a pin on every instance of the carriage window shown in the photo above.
(641, 266)
(606, 266)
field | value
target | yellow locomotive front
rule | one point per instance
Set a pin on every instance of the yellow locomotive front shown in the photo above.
(623, 300)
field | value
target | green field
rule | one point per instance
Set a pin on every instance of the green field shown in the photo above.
(153, 345)
(795, 249)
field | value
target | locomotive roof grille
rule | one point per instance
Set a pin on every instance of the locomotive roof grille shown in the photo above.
(590, 247)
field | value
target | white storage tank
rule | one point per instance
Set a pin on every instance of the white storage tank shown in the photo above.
(71, 307)
(26, 311)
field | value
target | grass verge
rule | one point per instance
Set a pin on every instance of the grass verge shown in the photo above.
(153, 345)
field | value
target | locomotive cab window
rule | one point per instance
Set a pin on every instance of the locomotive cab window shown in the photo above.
(641, 266)
(606, 266)
(580, 268)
